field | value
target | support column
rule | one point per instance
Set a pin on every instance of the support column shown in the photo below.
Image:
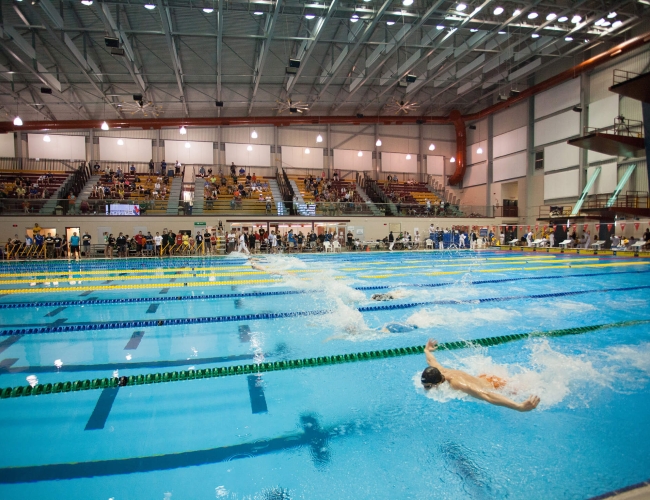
(421, 163)
(490, 157)
(91, 156)
(219, 163)
(584, 123)
(277, 160)
(328, 145)
(645, 107)
(375, 167)
(157, 158)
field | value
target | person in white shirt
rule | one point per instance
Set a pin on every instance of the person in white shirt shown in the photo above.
(587, 237)
(551, 239)
(158, 241)
(242, 244)
(461, 243)
(273, 242)
(529, 238)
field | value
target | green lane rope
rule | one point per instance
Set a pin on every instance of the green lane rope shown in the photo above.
(154, 378)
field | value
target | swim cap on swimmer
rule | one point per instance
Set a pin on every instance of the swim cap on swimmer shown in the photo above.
(431, 375)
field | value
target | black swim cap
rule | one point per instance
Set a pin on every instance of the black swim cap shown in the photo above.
(431, 375)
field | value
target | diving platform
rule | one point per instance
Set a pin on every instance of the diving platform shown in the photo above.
(632, 85)
(611, 144)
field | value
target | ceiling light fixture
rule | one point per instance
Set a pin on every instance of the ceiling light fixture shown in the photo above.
(498, 11)
(562, 19)
(149, 6)
(87, 3)
(249, 148)
(533, 15)
(606, 23)
(502, 32)
(440, 27)
(354, 18)
(309, 16)
(183, 130)
(17, 121)
(452, 160)
(535, 35)
(120, 142)
(406, 3)
(378, 143)
(188, 145)
(208, 10)
(599, 22)
(479, 150)
(461, 7)
(432, 146)
(104, 126)
(568, 39)
(514, 14)
(254, 134)
(307, 151)
(611, 15)
(473, 30)
(319, 138)
(360, 154)
(408, 156)
(390, 23)
(576, 19)
(46, 138)
(617, 24)
(551, 16)
(258, 13)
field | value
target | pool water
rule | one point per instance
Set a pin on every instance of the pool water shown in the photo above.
(363, 429)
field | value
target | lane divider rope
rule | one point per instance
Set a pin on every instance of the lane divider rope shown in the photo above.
(265, 316)
(154, 378)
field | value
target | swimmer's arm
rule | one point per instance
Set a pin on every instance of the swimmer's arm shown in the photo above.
(497, 399)
(431, 346)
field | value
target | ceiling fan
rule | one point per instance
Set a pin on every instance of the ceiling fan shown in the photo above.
(292, 106)
(145, 107)
(398, 107)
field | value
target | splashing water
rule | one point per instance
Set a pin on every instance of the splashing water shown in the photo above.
(441, 316)
(552, 375)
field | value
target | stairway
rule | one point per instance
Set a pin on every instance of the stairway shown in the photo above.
(87, 189)
(199, 191)
(277, 196)
(49, 208)
(174, 196)
(373, 208)
(303, 209)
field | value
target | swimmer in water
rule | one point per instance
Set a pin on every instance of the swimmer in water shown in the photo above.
(480, 387)
(395, 294)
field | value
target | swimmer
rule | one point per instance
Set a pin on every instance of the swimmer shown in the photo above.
(352, 330)
(395, 294)
(480, 387)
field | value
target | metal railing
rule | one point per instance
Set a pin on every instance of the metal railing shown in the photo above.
(621, 76)
(621, 126)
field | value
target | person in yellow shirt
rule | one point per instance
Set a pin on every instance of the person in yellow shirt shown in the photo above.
(36, 230)
(186, 243)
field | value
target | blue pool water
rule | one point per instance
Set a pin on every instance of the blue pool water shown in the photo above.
(357, 430)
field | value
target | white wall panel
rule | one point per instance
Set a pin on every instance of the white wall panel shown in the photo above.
(594, 156)
(201, 153)
(510, 167)
(561, 185)
(607, 179)
(557, 127)
(60, 147)
(397, 162)
(480, 133)
(600, 81)
(7, 146)
(557, 98)
(475, 175)
(602, 113)
(295, 157)
(510, 142)
(560, 156)
(260, 156)
(435, 165)
(472, 156)
(349, 159)
(242, 135)
(135, 150)
(510, 119)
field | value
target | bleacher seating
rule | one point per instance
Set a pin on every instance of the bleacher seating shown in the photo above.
(32, 202)
(249, 205)
(411, 196)
(336, 203)
(140, 193)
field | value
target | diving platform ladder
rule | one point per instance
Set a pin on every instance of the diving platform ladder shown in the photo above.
(585, 192)
(621, 183)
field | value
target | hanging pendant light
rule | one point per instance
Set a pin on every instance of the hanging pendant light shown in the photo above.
(249, 148)
(307, 151)
(46, 138)
(360, 154)
(188, 145)
(120, 142)
(319, 138)
(408, 156)
(378, 143)
(452, 160)
(254, 134)
(479, 150)
(17, 121)
(183, 130)
(432, 146)
(104, 126)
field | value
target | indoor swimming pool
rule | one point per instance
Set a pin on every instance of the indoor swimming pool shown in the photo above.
(204, 378)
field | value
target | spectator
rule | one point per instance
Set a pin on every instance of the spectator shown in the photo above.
(151, 166)
(201, 172)
(177, 168)
(163, 167)
(132, 169)
(242, 170)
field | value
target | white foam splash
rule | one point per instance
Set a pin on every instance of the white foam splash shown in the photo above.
(221, 491)
(441, 316)
(552, 375)
(32, 380)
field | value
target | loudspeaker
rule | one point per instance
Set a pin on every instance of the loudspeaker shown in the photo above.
(117, 52)
(111, 42)
(294, 63)
(411, 78)
(218, 104)
(46, 90)
(137, 97)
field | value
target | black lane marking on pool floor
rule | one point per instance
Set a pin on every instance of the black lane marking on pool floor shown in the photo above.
(6, 364)
(59, 322)
(164, 291)
(55, 312)
(256, 393)
(124, 365)
(153, 308)
(86, 293)
(172, 280)
(313, 437)
(238, 304)
(134, 341)
(6, 344)
(102, 409)
(244, 333)
(107, 282)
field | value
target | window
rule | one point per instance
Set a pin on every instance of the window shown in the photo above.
(539, 159)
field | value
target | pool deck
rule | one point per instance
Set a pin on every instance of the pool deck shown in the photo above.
(639, 491)
(573, 251)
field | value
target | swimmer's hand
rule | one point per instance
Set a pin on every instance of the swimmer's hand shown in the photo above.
(530, 404)
(432, 345)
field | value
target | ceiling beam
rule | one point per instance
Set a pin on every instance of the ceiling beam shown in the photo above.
(308, 46)
(166, 19)
(264, 50)
(219, 50)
